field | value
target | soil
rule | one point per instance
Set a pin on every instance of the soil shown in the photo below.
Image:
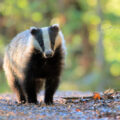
(70, 105)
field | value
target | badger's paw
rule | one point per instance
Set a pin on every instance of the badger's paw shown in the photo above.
(33, 102)
(48, 102)
(20, 102)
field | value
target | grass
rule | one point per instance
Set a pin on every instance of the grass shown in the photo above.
(3, 83)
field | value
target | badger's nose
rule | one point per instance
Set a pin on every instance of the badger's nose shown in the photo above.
(49, 53)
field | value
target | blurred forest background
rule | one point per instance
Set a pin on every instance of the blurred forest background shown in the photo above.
(92, 32)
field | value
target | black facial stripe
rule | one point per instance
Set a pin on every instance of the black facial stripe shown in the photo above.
(52, 35)
(39, 38)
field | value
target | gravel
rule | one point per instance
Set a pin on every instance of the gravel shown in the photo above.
(70, 105)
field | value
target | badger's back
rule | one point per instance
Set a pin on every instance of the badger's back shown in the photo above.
(17, 54)
(18, 45)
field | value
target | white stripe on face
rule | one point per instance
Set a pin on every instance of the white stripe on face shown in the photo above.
(46, 39)
(33, 43)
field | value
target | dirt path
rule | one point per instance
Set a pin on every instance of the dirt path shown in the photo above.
(77, 106)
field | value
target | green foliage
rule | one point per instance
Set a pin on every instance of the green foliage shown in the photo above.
(3, 83)
(73, 16)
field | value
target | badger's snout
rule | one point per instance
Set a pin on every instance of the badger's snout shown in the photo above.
(48, 54)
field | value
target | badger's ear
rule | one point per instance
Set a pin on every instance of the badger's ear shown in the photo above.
(55, 27)
(33, 30)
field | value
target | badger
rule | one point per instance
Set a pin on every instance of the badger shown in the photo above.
(35, 56)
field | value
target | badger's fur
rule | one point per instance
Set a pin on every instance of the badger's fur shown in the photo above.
(34, 57)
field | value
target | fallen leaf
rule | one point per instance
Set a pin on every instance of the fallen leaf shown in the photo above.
(109, 91)
(78, 110)
(96, 96)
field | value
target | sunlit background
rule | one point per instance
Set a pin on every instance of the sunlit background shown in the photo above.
(92, 32)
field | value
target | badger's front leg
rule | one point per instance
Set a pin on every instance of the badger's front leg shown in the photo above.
(51, 85)
(30, 90)
(19, 92)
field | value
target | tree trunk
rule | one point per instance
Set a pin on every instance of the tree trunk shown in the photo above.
(104, 80)
(100, 60)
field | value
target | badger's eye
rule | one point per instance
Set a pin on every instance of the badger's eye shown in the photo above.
(52, 41)
(41, 43)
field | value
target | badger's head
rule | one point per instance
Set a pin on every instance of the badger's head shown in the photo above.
(47, 39)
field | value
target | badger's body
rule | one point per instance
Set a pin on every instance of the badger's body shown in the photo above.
(34, 57)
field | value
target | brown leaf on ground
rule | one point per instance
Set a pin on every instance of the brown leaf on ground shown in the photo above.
(96, 96)
(78, 110)
(109, 91)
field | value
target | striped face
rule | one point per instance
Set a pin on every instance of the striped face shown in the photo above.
(46, 39)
